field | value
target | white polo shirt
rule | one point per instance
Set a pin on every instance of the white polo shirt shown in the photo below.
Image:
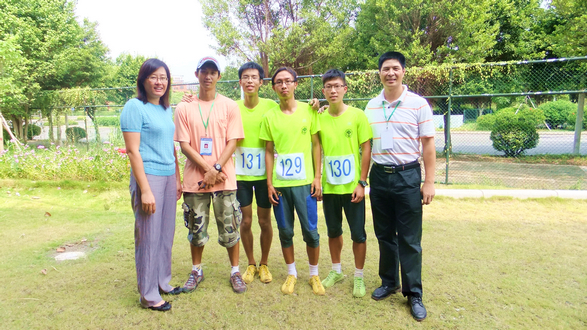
(411, 120)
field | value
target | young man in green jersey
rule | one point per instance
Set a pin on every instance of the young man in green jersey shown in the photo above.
(294, 181)
(343, 131)
(250, 170)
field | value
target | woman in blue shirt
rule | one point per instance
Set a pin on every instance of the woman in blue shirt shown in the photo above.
(155, 184)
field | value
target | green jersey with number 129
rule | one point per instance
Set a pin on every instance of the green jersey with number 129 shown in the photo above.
(341, 139)
(250, 152)
(292, 136)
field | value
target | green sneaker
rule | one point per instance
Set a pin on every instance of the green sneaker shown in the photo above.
(359, 287)
(332, 278)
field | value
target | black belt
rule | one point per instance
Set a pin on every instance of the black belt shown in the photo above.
(397, 168)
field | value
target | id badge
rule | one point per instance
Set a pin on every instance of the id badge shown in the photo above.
(206, 146)
(387, 139)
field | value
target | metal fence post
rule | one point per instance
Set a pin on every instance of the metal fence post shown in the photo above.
(579, 124)
(311, 87)
(447, 143)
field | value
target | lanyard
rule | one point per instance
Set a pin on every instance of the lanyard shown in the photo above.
(210, 113)
(384, 112)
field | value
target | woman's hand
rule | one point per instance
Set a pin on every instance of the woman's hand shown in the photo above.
(148, 201)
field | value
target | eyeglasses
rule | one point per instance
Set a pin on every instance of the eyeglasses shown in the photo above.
(247, 78)
(154, 79)
(285, 82)
(335, 87)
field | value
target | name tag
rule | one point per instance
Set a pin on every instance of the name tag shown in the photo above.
(339, 169)
(250, 161)
(291, 167)
(205, 146)
(387, 139)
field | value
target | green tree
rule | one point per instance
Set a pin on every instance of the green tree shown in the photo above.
(309, 36)
(59, 52)
(426, 32)
(565, 28)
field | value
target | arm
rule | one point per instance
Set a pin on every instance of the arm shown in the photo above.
(224, 157)
(359, 192)
(132, 141)
(269, 160)
(177, 174)
(209, 172)
(429, 156)
(316, 187)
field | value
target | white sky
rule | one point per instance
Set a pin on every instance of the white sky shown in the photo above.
(171, 30)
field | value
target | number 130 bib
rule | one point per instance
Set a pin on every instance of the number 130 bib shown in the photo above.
(340, 169)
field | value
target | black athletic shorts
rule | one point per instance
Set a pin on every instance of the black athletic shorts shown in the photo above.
(244, 193)
(333, 206)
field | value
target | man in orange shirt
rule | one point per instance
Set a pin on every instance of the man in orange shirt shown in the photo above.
(207, 131)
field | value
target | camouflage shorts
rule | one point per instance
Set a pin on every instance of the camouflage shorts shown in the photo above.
(196, 215)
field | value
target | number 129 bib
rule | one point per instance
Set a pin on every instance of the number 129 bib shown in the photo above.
(340, 169)
(290, 167)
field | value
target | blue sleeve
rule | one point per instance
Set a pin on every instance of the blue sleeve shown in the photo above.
(131, 118)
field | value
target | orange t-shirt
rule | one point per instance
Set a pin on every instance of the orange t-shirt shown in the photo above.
(225, 124)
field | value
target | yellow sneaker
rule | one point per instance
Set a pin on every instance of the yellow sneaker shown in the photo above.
(264, 274)
(317, 285)
(288, 286)
(249, 274)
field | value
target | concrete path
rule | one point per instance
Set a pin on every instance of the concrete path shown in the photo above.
(521, 193)
(518, 193)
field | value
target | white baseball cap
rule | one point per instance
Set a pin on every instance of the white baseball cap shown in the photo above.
(207, 59)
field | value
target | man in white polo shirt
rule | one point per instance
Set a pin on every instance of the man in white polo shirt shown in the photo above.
(400, 121)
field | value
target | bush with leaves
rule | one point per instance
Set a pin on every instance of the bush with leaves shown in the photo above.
(522, 113)
(572, 119)
(108, 121)
(33, 130)
(514, 138)
(557, 112)
(74, 134)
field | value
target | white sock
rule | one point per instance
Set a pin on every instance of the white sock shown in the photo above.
(358, 272)
(291, 269)
(234, 269)
(197, 268)
(337, 267)
(313, 270)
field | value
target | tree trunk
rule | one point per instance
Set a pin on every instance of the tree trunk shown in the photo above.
(58, 142)
(26, 129)
(50, 119)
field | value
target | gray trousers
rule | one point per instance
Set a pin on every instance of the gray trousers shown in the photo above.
(154, 237)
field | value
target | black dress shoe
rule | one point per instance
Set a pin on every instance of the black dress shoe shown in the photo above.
(175, 291)
(385, 291)
(417, 308)
(163, 308)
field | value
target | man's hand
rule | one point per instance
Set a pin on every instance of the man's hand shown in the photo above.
(273, 195)
(427, 192)
(221, 177)
(314, 103)
(209, 179)
(148, 202)
(358, 194)
(316, 189)
(188, 98)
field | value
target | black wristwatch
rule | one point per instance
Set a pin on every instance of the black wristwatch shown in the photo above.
(363, 183)
(218, 167)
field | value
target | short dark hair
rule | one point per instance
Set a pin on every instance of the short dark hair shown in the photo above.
(284, 68)
(392, 56)
(251, 65)
(148, 67)
(333, 74)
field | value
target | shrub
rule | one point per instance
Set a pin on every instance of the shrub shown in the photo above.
(557, 112)
(572, 119)
(61, 122)
(74, 134)
(486, 122)
(108, 121)
(33, 130)
(524, 113)
(514, 138)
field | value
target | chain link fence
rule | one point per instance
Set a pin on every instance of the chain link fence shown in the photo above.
(486, 116)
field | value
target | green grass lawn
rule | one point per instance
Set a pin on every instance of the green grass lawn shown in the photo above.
(488, 263)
